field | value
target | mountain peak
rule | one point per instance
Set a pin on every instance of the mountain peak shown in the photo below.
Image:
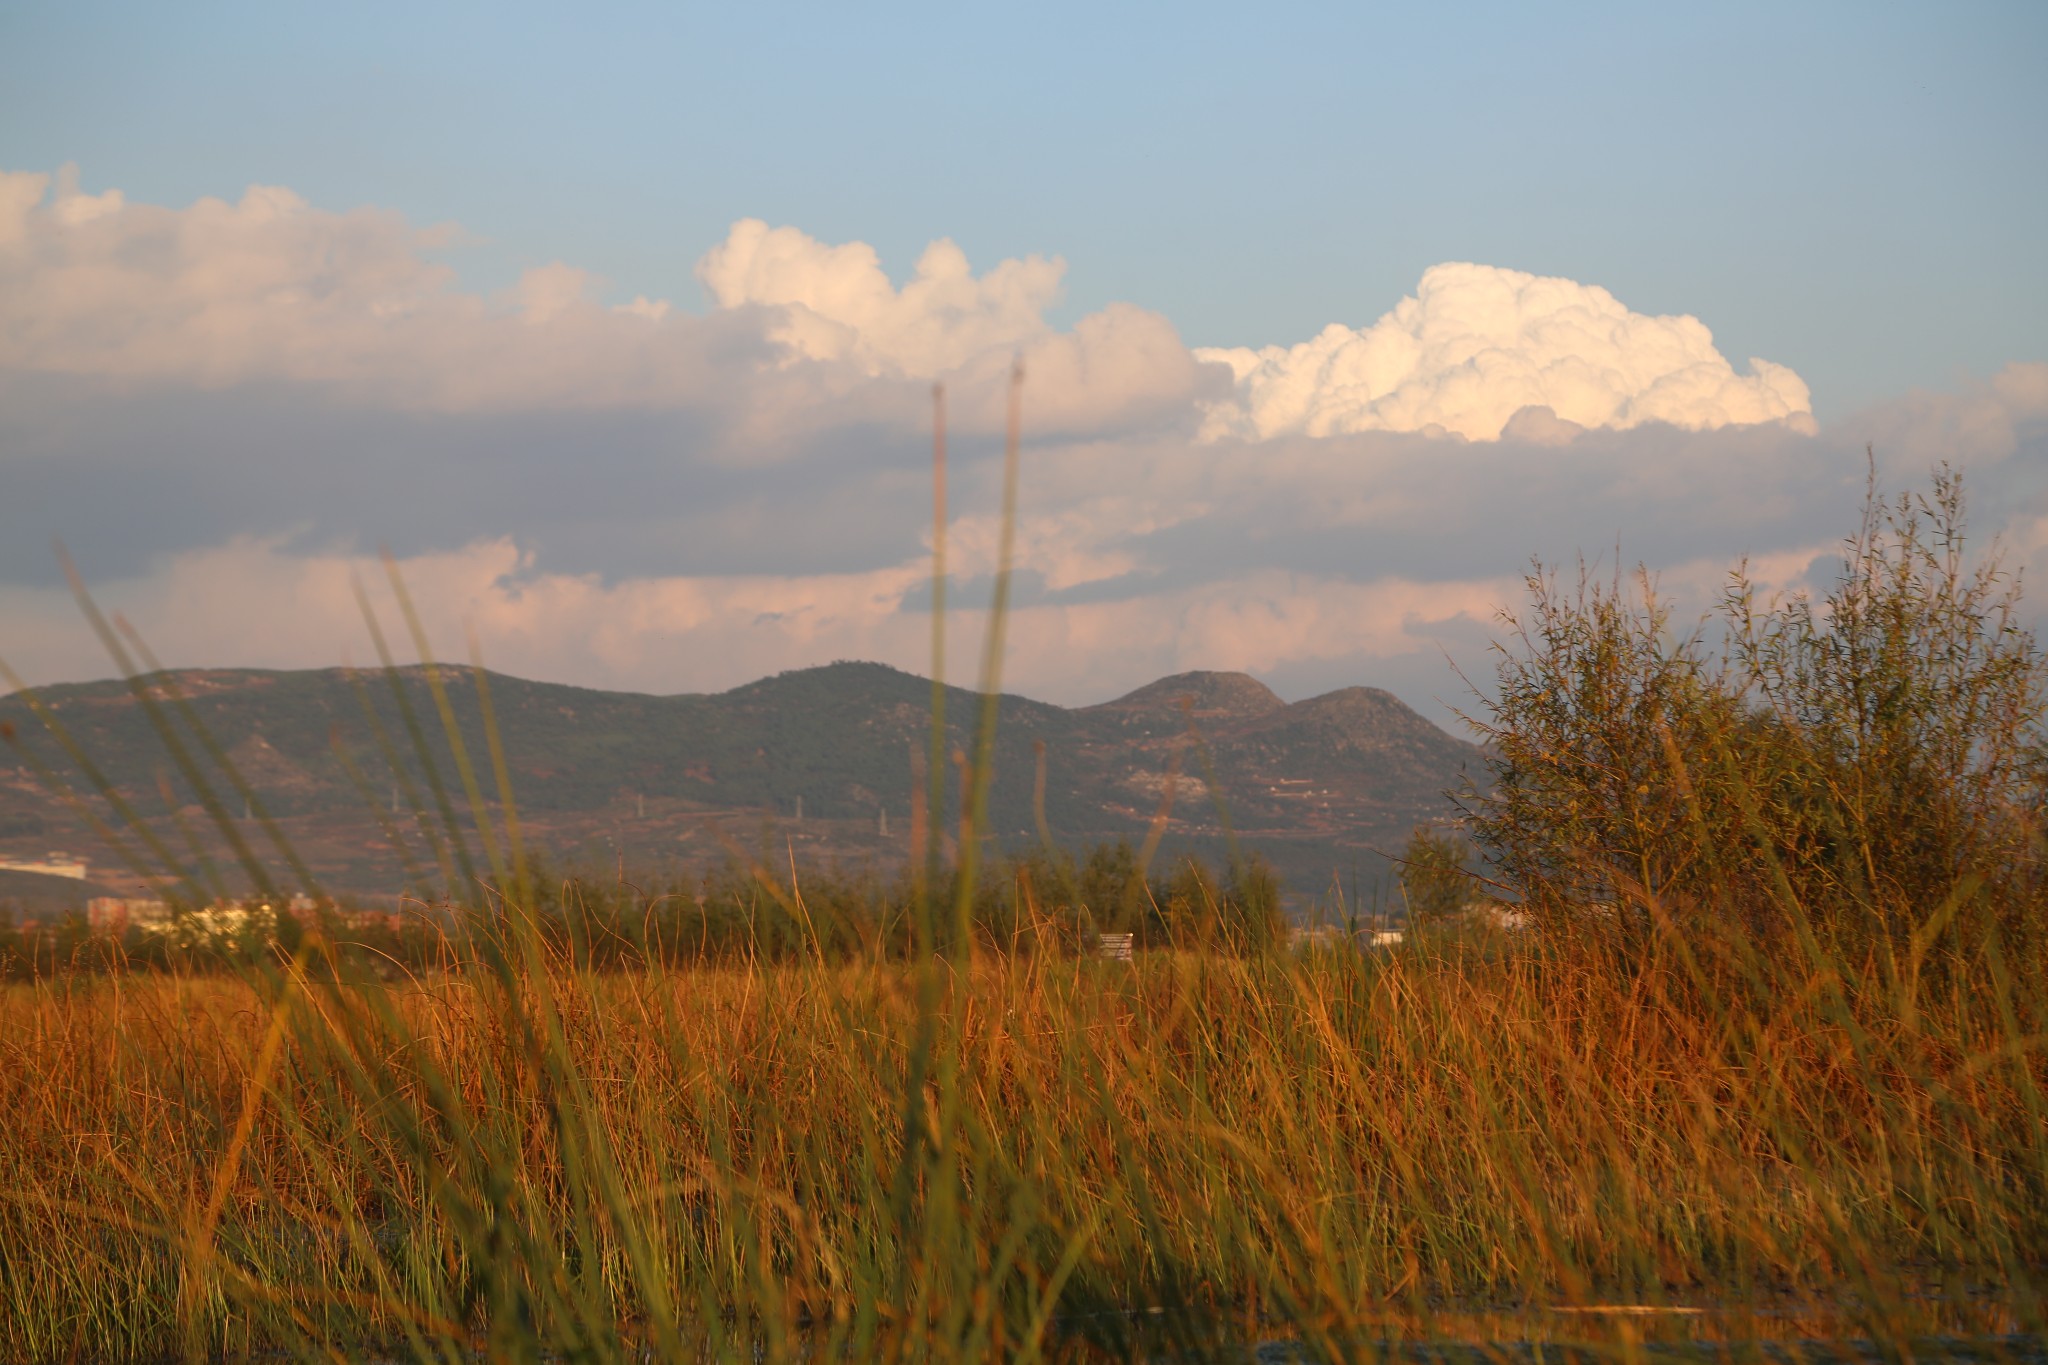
(1233, 694)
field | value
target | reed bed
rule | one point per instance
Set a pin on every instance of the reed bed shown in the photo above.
(716, 1160)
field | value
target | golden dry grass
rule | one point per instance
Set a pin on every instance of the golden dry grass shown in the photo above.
(714, 1157)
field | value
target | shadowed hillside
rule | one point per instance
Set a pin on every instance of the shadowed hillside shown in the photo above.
(820, 759)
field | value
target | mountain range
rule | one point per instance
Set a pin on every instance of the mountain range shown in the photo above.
(820, 765)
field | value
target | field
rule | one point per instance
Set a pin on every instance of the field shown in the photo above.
(1335, 1148)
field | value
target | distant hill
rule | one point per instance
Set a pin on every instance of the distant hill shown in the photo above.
(822, 758)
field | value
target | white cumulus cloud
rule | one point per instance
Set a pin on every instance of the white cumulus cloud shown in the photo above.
(838, 304)
(1477, 344)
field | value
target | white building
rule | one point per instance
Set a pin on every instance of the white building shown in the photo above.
(50, 865)
(1115, 947)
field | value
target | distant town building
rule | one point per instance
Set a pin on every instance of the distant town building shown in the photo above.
(223, 920)
(50, 865)
(220, 921)
(1304, 938)
(113, 914)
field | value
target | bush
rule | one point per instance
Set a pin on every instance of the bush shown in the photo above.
(1862, 764)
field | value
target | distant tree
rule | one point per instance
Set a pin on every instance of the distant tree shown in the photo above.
(1253, 917)
(1434, 882)
(1112, 888)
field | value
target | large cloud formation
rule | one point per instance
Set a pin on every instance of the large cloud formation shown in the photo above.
(1476, 344)
(225, 407)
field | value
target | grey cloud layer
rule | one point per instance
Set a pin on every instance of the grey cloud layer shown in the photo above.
(1312, 562)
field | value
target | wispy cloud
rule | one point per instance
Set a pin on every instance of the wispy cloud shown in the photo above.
(269, 288)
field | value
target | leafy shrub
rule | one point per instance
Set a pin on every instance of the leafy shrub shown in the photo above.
(1860, 763)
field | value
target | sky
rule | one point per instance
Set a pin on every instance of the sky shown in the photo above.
(618, 325)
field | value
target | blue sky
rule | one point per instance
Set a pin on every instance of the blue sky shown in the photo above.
(653, 412)
(1854, 190)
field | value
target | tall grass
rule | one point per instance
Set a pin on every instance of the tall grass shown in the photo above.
(521, 1153)
(1728, 1067)
(518, 1153)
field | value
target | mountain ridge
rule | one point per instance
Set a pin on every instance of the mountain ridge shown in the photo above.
(827, 758)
